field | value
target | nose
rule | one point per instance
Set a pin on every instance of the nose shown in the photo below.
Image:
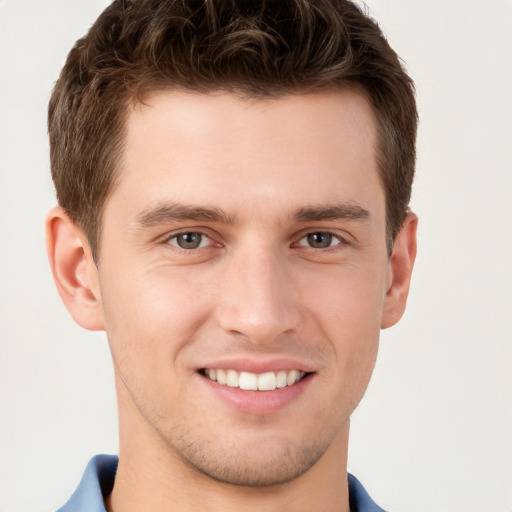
(259, 297)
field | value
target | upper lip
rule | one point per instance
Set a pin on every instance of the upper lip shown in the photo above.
(254, 365)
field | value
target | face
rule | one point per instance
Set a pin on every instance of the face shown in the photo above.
(244, 248)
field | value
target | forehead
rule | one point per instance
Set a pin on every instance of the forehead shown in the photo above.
(238, 153)
(205, 119)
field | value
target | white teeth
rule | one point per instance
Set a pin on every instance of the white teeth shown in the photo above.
(281, 378)
(248, 381)
(292, 377)
(267, 381)
(232, 378)
(221, 376)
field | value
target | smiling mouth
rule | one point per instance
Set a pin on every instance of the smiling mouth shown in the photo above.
(248, 381)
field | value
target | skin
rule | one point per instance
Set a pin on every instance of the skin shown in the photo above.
(256, 290)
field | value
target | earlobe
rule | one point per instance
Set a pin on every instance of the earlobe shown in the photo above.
(400, 269)
(74, 271)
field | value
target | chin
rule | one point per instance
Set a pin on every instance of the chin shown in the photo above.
(266, 464)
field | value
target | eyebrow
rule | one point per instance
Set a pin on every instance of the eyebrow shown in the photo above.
(169, 212)
(332, 212)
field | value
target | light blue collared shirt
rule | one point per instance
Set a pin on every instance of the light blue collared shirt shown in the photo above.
(99, 475)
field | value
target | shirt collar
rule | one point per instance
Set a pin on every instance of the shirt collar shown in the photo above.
(97, 482)
(99, 475)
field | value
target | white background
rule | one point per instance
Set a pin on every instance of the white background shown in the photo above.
(434, 431)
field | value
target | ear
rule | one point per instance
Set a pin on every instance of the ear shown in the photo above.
(400, 270)
(74, 271)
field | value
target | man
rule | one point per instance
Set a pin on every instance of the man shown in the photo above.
(233, 183)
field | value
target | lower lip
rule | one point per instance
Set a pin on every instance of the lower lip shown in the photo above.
(258, 402)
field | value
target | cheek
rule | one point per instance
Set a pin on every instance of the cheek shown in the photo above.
(150, 316)
(348, 302)
(347, 311)
(353, 330)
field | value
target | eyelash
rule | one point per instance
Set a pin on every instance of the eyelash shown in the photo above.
(168, 240)
(333, 237)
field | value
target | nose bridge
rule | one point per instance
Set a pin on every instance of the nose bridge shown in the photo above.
(258, 296)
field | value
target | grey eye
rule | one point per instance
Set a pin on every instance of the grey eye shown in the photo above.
(189, 240)
(319, 240)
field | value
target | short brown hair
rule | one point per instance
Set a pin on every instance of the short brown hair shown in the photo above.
(256, 48)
